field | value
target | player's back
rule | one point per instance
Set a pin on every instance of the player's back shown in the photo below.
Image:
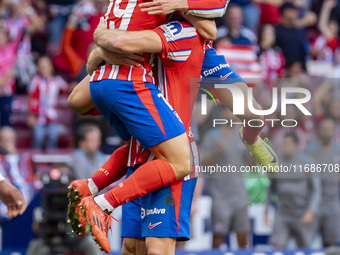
(179, 74)
(179, 66)
(127, 15)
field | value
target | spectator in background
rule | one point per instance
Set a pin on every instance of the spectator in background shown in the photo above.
(289, 37)
(39, 39)
(87, 158)
(326, 45)
(8, 139)
(326, 103)
(306, 18)
(269, 10)
(43, 102)
(293, 113)
(250, 11)
(236, 43)
(294, 70)
(221, 146)
(16, 168)
(270, 55)
(256, 182)
(78, 37)
(23, 22)
(234, 30)
(8, 55)
(326, 152)
(299, 197)
(58, 12)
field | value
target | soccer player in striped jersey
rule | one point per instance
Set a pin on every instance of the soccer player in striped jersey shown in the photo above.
(262, 152)
(112, 161)
(128, 99)
(181, 50)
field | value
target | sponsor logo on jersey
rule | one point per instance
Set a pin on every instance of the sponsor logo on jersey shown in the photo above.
(171, 30)
(151, 211)
(215, 69)
(151, 226)
(223, 77)
(155, 211)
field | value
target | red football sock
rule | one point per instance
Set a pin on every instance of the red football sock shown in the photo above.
(148, 177)
(113, 169)
(250, 133)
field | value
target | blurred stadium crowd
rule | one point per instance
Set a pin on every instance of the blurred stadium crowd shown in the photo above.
(44, 45)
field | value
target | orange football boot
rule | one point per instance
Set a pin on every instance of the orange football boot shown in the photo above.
(78, 190)
(99, 222)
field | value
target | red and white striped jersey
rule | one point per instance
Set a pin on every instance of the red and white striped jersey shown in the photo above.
(272, 62)
(179, 66)
(43, 97)
(327, 50)
(127, 15)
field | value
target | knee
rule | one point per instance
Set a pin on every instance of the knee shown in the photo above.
(154, 251)
(183, 166)
(125, 251)
(72, 102)
(128, 249)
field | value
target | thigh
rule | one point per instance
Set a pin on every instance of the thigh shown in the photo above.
(300, 232)
(221, 217)
(80, 99)
(330, 226)
(281, 232)
(160, 245)
(133, 246)
(166, 211)
(39, 131)
(142, 108)
(53, 129)
(100, 98)
(241, 220)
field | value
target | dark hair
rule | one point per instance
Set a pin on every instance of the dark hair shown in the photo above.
(324, 120)
(286, 6)
(83, 130)
(232, 5)
(293, 136)
(260, 37)
(290, 64)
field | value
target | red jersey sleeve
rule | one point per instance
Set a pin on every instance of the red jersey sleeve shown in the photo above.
(207, 8)
(175, 36)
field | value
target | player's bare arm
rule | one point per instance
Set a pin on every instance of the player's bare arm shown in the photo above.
(192, 7)
(144, 41)
(127, 41)
(159, 7)
(12, 198)
(99, 55)
(206, 28)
